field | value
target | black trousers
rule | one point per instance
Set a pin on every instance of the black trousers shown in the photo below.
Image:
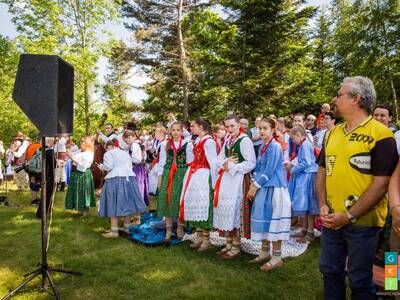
(49, 192)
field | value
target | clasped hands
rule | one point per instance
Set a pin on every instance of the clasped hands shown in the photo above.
(225, 165)
(333, 220)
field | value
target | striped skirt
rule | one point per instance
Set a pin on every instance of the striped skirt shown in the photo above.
(271, 214)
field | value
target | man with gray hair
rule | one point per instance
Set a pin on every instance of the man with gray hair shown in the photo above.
(244, 124)
(257, 141)
(356, 162)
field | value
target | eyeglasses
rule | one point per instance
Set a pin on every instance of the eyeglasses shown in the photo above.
(338, 94)
(310, 120)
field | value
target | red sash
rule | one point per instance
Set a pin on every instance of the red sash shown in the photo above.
(217, 186)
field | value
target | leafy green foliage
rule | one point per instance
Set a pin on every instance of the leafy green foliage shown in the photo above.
(69, 28)
(12, 119)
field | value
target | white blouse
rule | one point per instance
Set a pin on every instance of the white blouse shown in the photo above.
(163, 154)
(61, 145)
(83, 160)
(118, 163)
(136, 154)
(104, 138)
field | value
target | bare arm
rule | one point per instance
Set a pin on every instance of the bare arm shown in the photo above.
(394, 188)
(394, 199)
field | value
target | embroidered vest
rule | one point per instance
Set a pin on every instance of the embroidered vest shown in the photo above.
(200, 159)
(234, 150)
(180, 156)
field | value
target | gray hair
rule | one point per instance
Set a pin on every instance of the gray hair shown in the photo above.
(363, 87)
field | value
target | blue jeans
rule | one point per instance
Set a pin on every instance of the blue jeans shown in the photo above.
(359, 244)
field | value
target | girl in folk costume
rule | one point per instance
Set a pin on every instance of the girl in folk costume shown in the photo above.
(80, 193)
(236, 159)
(138, 156)
(271, 211)
(156, 169)
(175, 155)
(120, 196)
(302, 184)
(197, 193)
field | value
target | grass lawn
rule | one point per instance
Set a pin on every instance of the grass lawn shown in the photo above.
(120, 269)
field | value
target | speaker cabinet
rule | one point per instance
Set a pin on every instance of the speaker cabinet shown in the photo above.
(44, 90)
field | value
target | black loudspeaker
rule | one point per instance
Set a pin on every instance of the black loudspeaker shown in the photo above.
(44, 90)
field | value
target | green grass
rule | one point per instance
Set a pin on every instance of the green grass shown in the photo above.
(120, 269)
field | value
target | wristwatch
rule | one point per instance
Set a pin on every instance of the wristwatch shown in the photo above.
(351, 218)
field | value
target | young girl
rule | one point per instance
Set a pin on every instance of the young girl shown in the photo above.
(120, 196)
(270, 215)
(80, 193)
(302, 184)
(236, 159)
(175, 155)
(196, 197)
(155, 169)
(138, 157)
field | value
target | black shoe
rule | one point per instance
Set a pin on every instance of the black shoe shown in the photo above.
(62, 188)
(35, 202)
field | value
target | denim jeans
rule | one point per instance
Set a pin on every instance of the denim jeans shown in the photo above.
(358, 244)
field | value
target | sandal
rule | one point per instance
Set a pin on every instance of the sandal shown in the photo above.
(110, 234)
(195, 245)
(223, 251)
(259, 259)
(229, 255)
(268, 266)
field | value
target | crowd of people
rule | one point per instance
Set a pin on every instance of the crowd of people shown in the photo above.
(246, 182)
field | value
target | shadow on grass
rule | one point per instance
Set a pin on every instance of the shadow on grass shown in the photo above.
(120, 269)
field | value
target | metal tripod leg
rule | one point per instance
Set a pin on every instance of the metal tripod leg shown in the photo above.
(52, 285)
(29, 278)
(64, 271)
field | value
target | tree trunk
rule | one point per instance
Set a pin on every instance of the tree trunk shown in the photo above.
(396, 108)
(87, 117)
(182, 62)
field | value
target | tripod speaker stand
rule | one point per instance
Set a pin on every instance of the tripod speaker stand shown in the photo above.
(44, 91)
(43, 270)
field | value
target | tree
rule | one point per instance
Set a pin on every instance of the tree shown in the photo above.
(11, 117)
(160, 41)
(384, 35)
(69, 28)
(271, 72)
(116, 86)
(366, 37)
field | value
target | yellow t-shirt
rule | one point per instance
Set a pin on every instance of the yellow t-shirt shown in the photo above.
(351, 159)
